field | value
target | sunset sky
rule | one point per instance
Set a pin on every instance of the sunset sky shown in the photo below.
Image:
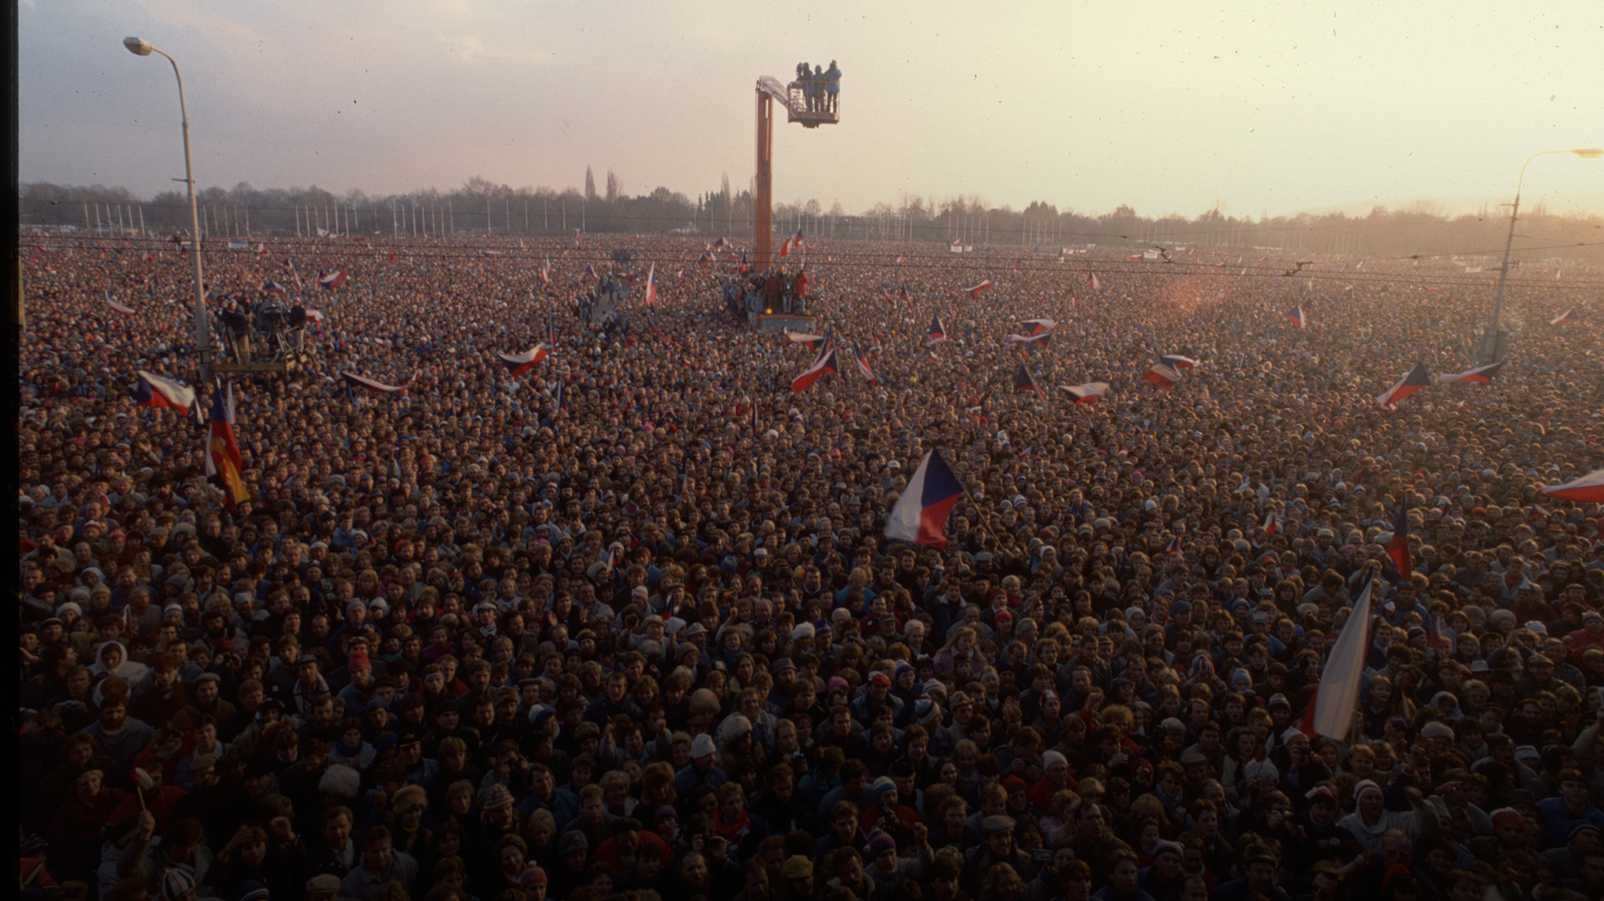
(1168, 106)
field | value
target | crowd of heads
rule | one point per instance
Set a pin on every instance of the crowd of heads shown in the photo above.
(629, 624)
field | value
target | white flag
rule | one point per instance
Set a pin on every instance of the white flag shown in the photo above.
(1338, 697)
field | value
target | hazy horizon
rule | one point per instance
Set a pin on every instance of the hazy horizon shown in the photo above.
(1262, 109)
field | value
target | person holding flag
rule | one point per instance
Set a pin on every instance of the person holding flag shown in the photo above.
(224, 463)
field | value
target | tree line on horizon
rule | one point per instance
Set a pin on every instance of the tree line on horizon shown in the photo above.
(481, 206)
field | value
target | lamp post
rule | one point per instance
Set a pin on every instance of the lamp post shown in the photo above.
(139, 47)
(1490, 342)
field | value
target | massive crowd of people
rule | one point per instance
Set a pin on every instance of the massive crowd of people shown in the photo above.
(627, 624)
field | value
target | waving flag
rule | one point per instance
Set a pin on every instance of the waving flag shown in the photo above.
(125, 310)
(1480, 375)
(821, 367)
(1087, 393)
(1176, 361)
(1272, 523)
(1299, 319)
(1162, 375)
(920, 514)
(1398, 547)
(1562, 318)
(785, 249)
(1331, 714)
(332, 280)
(1096, 285)
(1039, 326)
(807, 338)
(223, 460)
(315, 315)
(979, 289)
(1417, 379)
(1588, 489)
(651, 285)
(273, 287)
(521, 363)
(937, 332)
(163, 393)
(864, 370)
(545, 272)
(1038, 338)
(362, 381)
(589, 269)
(1023, 381)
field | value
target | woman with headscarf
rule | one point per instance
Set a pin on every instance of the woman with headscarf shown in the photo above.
(111, 659)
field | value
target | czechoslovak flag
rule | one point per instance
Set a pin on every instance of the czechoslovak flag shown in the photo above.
(1398, 547)
(821, 367)
(1587, 489)
(1023, 381)
(1087, 393)
(522, 363)
(1178, 362)
(1299, 319)
(920, 514)
(1162, 375)
(651, 285)
(1417, 379)
(1272, 523)
(1562, 318)
(162, 393)
(332, 280)
(1331, 714)
(937, 331)
(864, 370)
(979, 289)
(1039, 326)
(1096, 285)
(223, 460)
(1480, 375)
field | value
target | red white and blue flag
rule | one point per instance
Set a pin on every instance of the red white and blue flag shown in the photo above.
(545, 272)
(785, 248)
(808, 338)
(223, 460)
(937, 333)
(332, 280)
(979, 289)
(125, 310)
(920, 514)
(521, 363)
(1176, 361)
(1038, 338)
(273, 287)
(1096, 285)
(651, 286)
(1298, 317)
(1398, 547)
(1039, 326)
(1272, 523)
(821, 367)
(1564, 317)
(1480, 375)
(1417, 379)
(165, 394)
(1088, 393)
(864, 370)
(1023, 381)
(1163, 375)
(1588, 489)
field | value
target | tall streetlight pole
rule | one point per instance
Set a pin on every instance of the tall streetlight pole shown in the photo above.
(1490, 342)
(203, 347)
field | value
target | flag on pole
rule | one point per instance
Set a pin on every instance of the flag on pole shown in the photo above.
(545, 272)
(1331, 714)
(223, 460)
(1096, 285)
(821, 367)
(1023, 381)
(125, 310)
(520, 363)
(1415, 380)
(1176, 361)
(1272, 523)
(1039, 326)
(920, 514)
(1162, 375)
(1088, 393)
(864, 370)
(1298, 317)
(651, 286)
(163, 393)
(331, 281)
(272, 287)
(808, 338)
(975, 292)
(1564, 317)
(1398, 547)
(1588, 489)
(785, 248)
(362, 381)
(1480, 375)
(937, 333)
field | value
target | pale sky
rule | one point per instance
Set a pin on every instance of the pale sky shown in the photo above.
(1168, 106)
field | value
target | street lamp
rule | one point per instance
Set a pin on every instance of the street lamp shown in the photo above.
(203, 345)
(1490, 343)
